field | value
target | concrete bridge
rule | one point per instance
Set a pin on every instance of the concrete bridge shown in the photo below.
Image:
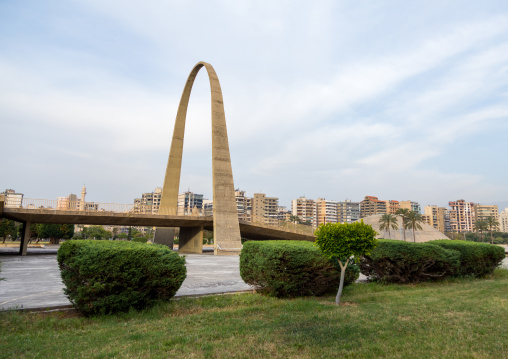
(188, 224)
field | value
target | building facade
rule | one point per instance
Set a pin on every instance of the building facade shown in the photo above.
(462, 216)
(411, 205)
(149, 203)
(243, 206)
(264, 209)
(392, 206)
(304, 208)
(483, 211)
(325, 212)
(503, 220)
(372, 205)
(189, 203)
(348, 211)
(437, 217)
(12, 199)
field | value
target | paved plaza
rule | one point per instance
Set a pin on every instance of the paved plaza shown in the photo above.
(33, 281)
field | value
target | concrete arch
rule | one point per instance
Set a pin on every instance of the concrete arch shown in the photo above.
(226, 229)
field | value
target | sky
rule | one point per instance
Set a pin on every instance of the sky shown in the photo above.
(403, 100)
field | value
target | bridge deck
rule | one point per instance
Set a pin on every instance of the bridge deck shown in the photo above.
(247, 230)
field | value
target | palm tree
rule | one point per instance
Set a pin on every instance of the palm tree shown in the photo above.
(492, 223)
(413, 220)
(386, 221)
(481, 226)
(402, 212)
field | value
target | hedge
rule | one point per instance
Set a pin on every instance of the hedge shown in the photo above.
(103, 277)
(290, 269)
(394, 261)
(476, 259)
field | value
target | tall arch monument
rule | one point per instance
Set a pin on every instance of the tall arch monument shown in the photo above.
(226, 229)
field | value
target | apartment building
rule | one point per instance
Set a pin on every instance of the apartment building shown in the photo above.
(503, 220)
(304, 208)
(462, 216)
(70, 202)
(348, 212)
(372, 205)
(243, 205)
(483, 211)
(411, 205)
(149, 203)
(325, 212)
(437, 217)
(264, 209)
(189, 203)
(207, 207)
(392, 206)
(283, 214)
(12, 199)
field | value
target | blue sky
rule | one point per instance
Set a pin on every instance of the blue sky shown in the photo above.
(335, 99)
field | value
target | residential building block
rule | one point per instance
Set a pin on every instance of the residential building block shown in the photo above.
(304, 208)
(12, 199)
(264, 209)
(372, 205)
(503, 220)
(411, 205)
(348, 211)
(483, 211)
(436, 217)
(462, 216)
(325, 212)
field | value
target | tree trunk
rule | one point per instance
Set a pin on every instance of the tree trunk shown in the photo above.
(341, 285)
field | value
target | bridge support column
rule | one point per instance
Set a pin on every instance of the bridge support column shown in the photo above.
(191, 240)
(164, 236)
(25, 237)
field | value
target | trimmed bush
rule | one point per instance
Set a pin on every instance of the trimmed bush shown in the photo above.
(476, 259)
(395, 261)
(290, 269)
(139, 239)
(103, 277)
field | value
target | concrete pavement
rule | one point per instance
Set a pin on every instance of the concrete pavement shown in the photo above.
(33, 281)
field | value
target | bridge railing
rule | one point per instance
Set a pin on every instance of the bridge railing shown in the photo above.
(66, 205)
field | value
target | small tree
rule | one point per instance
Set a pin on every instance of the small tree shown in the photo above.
(481, 226)
(492, 223)
(413, 220)
(403, 213)
(388, 221)
(55, 231)
(344, 240)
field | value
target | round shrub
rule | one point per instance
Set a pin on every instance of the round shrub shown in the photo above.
(103, 277)
(139, 239)
(290, 269)
(395, 261)
(476, 259)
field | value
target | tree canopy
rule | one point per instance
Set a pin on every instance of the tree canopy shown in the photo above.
(388, 221)
(344, 240)
(55, 232)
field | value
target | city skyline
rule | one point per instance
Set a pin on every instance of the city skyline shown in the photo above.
(330, 100)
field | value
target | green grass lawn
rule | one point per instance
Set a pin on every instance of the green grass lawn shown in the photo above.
(465, 318)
